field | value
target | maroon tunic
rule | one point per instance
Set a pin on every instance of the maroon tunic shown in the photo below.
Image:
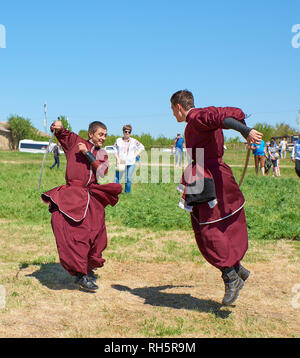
(78, 207)
(220, 231)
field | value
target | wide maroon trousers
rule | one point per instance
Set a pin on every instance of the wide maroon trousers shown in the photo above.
(224, 243)
(80, 244)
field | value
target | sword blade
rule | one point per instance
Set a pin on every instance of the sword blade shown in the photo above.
(44, 158)
(245, 167)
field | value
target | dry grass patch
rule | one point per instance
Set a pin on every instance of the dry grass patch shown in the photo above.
(152, 285)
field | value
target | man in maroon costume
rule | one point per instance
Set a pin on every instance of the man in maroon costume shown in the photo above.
(78, 208)
(219, 223)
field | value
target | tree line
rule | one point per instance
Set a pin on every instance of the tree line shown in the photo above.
(22, 128)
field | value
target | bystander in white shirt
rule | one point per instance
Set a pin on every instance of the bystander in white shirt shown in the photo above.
(127, 149)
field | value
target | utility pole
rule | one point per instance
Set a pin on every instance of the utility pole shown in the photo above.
(45, 118)
(299, 121)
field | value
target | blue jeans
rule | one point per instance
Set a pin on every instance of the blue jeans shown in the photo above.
(56, 162)
(178, 151)
(129, 171)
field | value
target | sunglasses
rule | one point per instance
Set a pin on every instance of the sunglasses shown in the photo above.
(127, 131)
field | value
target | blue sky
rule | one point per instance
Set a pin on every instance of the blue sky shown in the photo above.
(120, 61)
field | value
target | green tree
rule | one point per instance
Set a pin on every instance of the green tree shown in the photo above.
(83, 133)
(66, 123)
(111, 139)
(283, 129)
(267, 130)
(163, 141)
(233, 140)
(145, 139)
(21, 128)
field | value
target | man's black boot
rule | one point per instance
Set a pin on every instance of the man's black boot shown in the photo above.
(233, 284)
(86, 283)
(242, 272)
(92, 276)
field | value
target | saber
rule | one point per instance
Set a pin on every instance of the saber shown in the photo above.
(43, 163)
(245, 167)
(247, 158)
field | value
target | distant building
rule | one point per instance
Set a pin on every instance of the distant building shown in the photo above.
(5, 136)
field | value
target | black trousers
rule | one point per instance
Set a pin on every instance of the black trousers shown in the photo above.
(297, 167)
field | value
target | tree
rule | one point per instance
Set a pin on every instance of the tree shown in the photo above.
(283, 130)
(83, 133)
(266, 129)
(66, 123)
(21, 128)
(233, 140)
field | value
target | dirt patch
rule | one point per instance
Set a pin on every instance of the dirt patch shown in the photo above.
(146, 299)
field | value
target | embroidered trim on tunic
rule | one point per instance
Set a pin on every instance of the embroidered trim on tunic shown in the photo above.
(225, 217)
(84, 215)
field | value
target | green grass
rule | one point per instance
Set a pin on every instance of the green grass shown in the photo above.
(272, 204)
(155, 282)
(155, 328)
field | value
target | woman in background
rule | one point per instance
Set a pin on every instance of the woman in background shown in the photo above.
(273, 151)
(127, 149)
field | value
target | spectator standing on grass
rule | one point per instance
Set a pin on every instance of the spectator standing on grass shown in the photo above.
(127, 149)
(55, 151)
(295, 156)
(283, 146)
(273, 152)
(179, 145)
(277, 143)
(78, 207)
(217, 214)
(259, 152)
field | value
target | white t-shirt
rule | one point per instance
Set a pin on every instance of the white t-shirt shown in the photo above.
(127, 149)
(283, 144)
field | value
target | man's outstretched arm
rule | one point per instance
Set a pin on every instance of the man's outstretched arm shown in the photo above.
(250, 134)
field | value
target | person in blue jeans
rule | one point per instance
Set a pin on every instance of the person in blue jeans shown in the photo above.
(126, 151)
(56, 156)
(129, 169)
(179, 144)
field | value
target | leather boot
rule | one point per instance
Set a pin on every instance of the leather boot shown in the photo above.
(92, 276)
(233, 284)
(85, 283)
(242, 272)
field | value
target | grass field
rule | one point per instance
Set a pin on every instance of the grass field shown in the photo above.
(154, 283)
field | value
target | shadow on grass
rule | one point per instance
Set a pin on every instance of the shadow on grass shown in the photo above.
(154, 297)
(53, 276)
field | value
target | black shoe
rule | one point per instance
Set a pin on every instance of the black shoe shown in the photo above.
(233, 285)
(242, 272)
(92, 276)
(85, 283)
